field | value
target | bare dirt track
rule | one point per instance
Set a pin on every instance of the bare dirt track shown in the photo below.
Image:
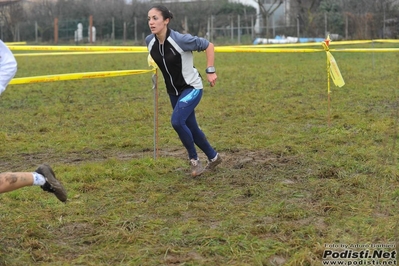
(232, 159)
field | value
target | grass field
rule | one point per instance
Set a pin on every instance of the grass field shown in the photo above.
(294, 179)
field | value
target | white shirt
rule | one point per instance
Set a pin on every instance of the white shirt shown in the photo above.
(8, 66)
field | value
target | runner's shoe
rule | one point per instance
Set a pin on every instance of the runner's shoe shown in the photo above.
(52, 185)
(214, 162)
(196, 167)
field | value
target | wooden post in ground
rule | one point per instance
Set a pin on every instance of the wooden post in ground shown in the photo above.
(56, 31)
(91, 29)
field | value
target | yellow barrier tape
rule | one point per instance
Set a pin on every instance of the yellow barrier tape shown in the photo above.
(80, 50)
(75, 53)
(386, 41)
(73, 76)
(15, 43)
(317, 43)
(230, 49)
(151, 62)
(381, 50)
(273, 45)
(77, 48)
(300, 44)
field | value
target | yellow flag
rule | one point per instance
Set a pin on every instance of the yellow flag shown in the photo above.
(334, 71)
(151, 62)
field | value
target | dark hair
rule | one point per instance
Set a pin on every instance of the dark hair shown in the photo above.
(164, 11)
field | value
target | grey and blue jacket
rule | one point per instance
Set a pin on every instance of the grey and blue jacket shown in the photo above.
(175, 59)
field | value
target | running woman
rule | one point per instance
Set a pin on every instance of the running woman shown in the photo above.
(173, 53)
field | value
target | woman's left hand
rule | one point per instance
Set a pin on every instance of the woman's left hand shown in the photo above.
(212, 79)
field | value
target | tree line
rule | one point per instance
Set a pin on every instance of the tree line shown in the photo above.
(118, 19)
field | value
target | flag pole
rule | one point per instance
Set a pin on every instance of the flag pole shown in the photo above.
(328, 92)
(332, 72)
(326, 44)
(154, 66)
(155, 88)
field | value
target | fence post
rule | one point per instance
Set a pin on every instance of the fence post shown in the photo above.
(239, 29)
(232, 28)
(252, 28)
(274, 26)
(55, 30)
(297, 26)
(212, 29)
(185, 25)
(17, 33)
(36, 35)
(91, 29)
(325, 24)
(135, 29)
(208, 32)
(124, 32)
(113, 29)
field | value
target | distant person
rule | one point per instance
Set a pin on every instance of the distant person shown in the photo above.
(172, 52)
(44, 175)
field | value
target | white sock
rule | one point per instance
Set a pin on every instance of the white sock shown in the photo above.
(214, 159)
(38, 179)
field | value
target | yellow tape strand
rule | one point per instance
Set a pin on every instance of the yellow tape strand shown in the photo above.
(223, 49)
(229, 49)
(74, 76)
(75, 53)
(334, 71)
(15, 43)
(362, 50)
(77, 48)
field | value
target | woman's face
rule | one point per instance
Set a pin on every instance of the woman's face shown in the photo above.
(156, 22)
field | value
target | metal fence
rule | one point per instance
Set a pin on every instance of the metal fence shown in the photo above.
(233, 31)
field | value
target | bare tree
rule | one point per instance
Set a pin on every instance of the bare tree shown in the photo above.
(267, 12)
(43, 13)
(12, 14)
(371, 18)
(306, 12)
(355, 19)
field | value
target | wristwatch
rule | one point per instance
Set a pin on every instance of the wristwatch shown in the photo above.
(210, 70)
